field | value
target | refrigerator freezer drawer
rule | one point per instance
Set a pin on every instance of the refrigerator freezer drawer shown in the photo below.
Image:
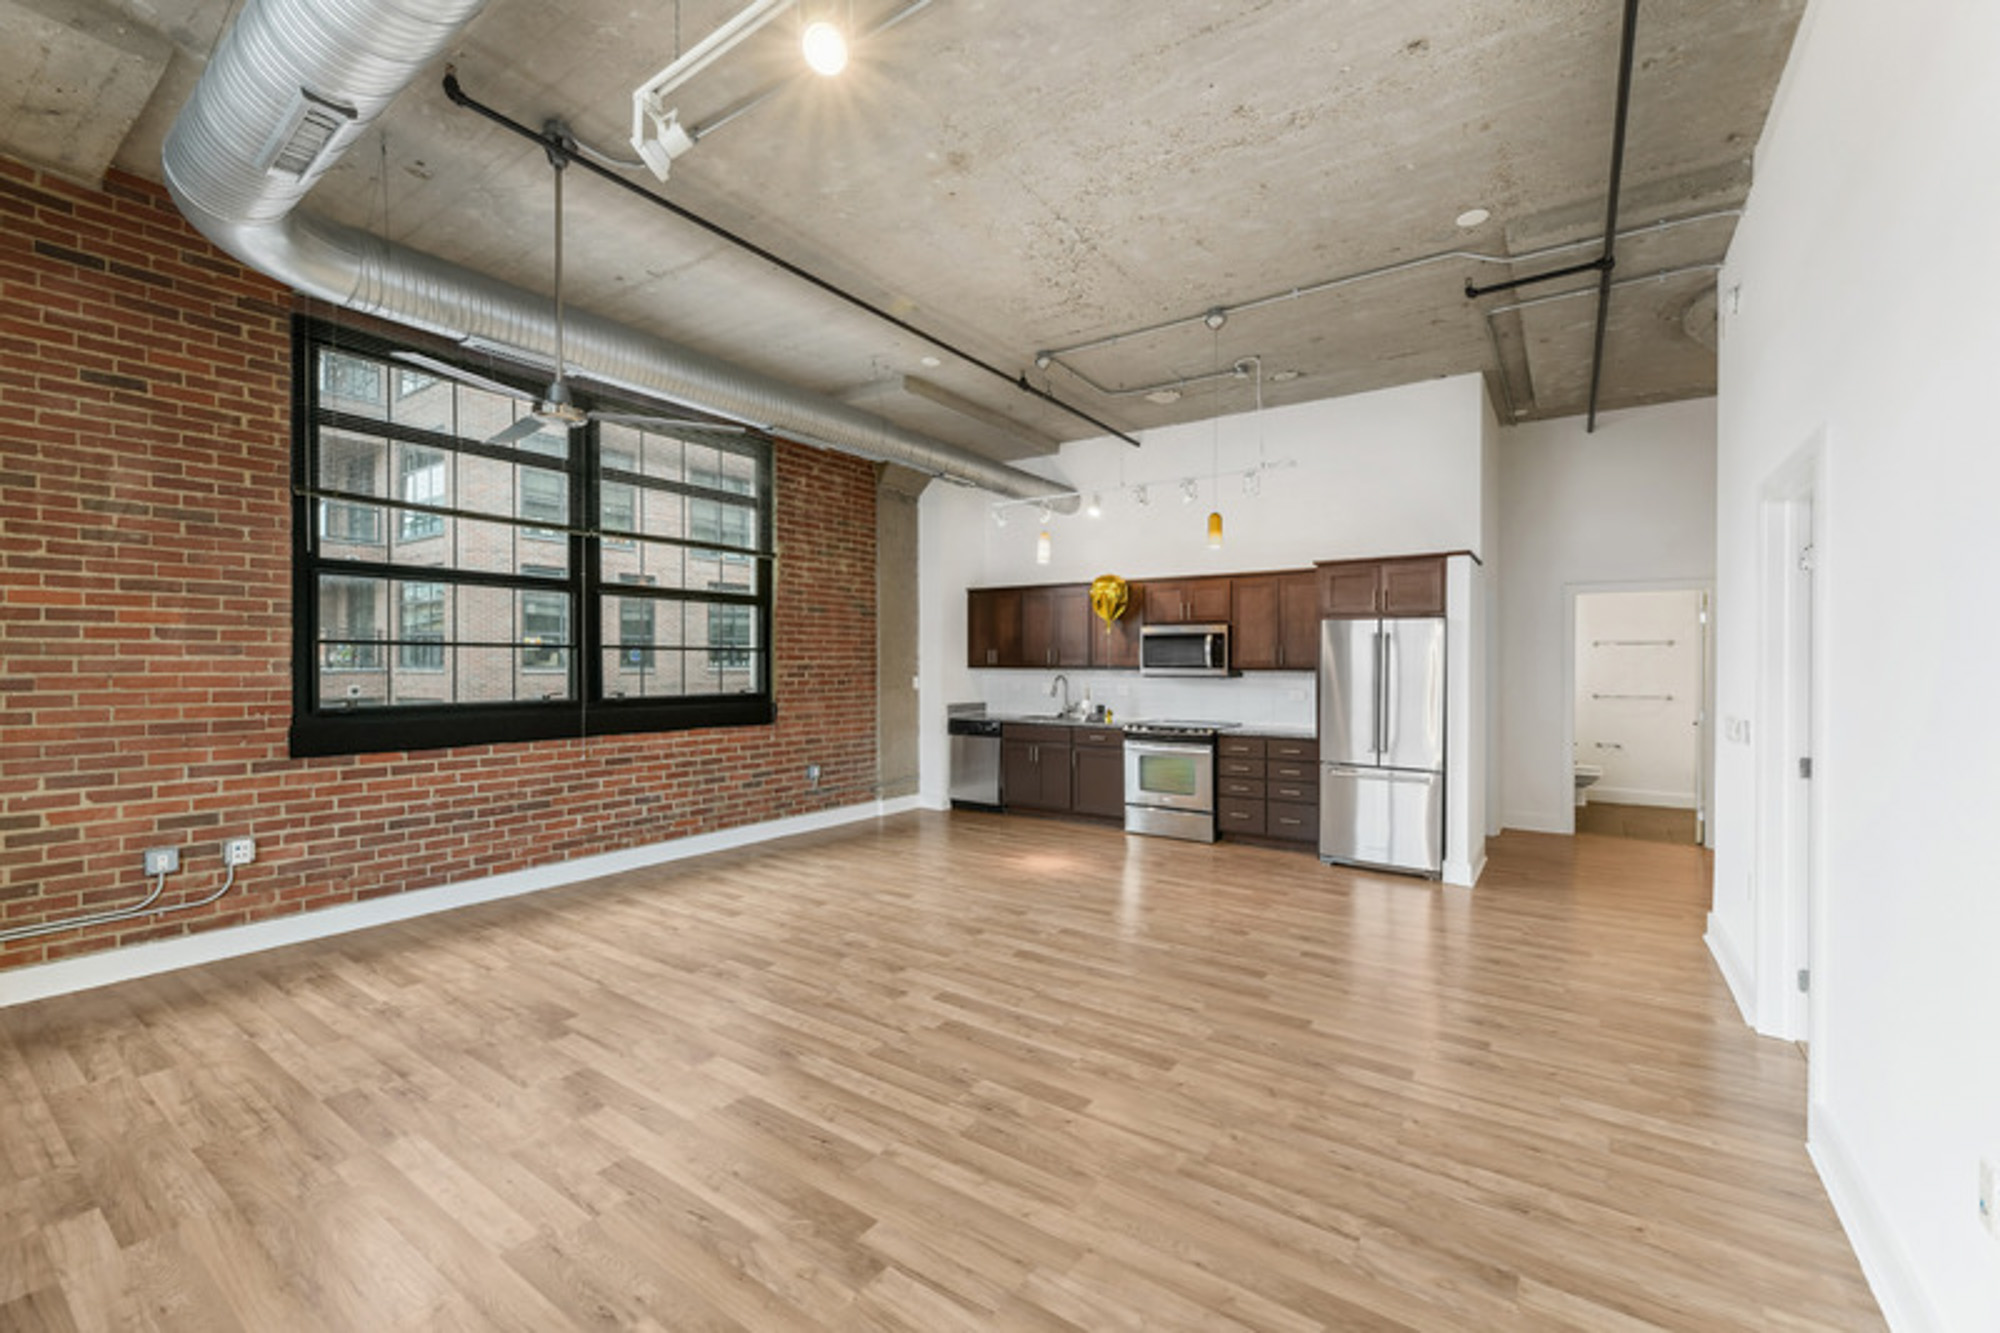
(1382, 817)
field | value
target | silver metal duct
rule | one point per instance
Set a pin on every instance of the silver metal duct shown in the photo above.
(295, 82)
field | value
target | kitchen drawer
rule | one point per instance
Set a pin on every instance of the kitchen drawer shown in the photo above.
(1039, 733)
(1301, 793)
(1306, 751)
(1240, 747)
(1105, 738)
(1235, 815)
(1293, 821)
(1291, 770)
(1229, 766)
(1249, 789)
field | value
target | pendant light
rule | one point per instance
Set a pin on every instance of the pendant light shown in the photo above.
(1215, 322)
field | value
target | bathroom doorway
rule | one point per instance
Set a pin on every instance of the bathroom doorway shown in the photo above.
(1639, 710)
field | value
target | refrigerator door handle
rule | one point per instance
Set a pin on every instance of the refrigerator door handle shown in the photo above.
(1381, 695)
(1392, 698)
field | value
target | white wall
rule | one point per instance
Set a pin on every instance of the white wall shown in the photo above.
(1864, 351)
(1639, 666)
(1399, 471)
(1631, 505)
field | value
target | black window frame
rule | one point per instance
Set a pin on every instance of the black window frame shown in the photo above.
(372, 725)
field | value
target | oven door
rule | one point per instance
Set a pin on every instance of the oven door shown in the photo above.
(1170, 775)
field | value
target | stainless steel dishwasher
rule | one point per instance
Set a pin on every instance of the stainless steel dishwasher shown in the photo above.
(975, 762)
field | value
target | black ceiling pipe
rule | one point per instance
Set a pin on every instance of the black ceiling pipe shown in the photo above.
(1625, 46)
(1607, 258)
(561, 149)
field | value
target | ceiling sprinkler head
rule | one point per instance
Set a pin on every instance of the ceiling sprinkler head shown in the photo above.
(1043, 360)
(1216, 318)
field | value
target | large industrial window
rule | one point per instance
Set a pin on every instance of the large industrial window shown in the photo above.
(577, 581)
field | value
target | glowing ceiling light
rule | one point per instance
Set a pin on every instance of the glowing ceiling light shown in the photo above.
(825, 47)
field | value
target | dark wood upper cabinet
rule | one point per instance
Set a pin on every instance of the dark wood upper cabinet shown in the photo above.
(1274, 622)
(1254, 623)
(1117, 644)
(1413, 587)
(1187, 601)
(993, 627)
(1055, 626)
(1363, 588)
(1298, 621)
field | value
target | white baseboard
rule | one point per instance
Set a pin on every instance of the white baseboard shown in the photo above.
(1666, 800)
(1734, 974)
(22, 985)
(1884, 1260)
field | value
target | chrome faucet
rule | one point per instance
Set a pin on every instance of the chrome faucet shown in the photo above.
(1063, 681)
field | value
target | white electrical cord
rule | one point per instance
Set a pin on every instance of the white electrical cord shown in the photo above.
(122, 914)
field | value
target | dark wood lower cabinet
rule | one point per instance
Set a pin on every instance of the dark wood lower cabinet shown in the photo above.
(1034, 768)
(1268, 787)
(1098, 758)
(1063, 770)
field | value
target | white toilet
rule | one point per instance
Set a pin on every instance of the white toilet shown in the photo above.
(1586, 776)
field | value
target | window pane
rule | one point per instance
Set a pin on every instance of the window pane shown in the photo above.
(424, 481)
(353, 384)
(545, 629)
(482, 415)
(420, 637)
(352, 465)
(419, 398)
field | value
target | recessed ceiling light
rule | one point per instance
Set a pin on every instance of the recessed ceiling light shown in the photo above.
(1472, 217)
(1164, 396)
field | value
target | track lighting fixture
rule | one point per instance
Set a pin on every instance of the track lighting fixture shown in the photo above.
(1042, 550)
(1187, 490)
(1096, 506)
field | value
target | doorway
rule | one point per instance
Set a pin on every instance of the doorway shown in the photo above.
(1786, 798)
(1638, 743)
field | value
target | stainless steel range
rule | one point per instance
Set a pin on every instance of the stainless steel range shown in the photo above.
(1170, 778)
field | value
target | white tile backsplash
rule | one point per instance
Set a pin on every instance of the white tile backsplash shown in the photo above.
(1269, 698)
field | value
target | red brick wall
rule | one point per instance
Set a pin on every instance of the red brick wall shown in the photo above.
(145, 620)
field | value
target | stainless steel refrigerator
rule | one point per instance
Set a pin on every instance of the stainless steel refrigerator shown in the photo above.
(1381, 743)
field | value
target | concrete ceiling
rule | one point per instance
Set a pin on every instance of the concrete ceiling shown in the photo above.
(1029, 176)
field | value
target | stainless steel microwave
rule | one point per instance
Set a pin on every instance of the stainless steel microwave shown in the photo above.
(1184, 650)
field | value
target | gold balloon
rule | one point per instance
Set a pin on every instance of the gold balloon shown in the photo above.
(1109, 595)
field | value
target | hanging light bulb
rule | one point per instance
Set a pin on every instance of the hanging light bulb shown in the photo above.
(1215, 529)
(825, 47)
(1042, 548)
(1096, 507)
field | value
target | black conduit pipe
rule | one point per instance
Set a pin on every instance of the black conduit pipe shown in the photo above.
(1607, 259)
(560, 148)
(1625, 45)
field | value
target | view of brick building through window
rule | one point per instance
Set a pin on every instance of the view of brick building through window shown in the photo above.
(408, 640)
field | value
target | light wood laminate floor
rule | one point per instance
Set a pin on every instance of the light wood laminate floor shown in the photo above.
(942, 1072)
(1653, 823)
